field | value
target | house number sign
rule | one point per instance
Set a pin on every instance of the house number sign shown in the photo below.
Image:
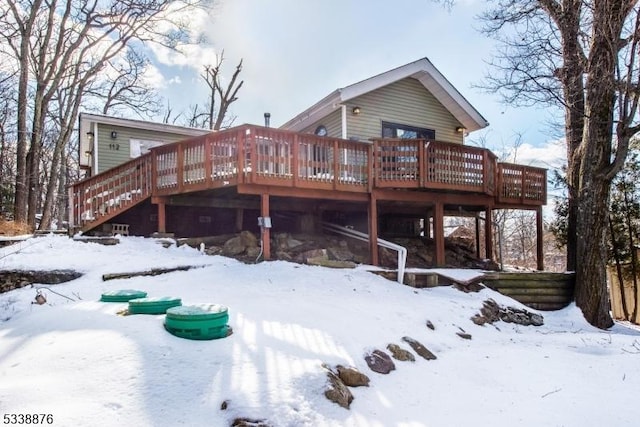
(114, 146)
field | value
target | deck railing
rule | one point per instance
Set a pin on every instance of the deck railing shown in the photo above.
(305, 161)
(101, 197)
(266, 156)
(416, 163)
(521, 185)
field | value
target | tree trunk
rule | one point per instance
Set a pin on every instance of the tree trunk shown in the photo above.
(52, 185)
(596, 167)
(62, 205)
(34, 156)
(33, 183)
(573, 83)
(21, 191)
(591, 292)
(632, 249)
(618, 261)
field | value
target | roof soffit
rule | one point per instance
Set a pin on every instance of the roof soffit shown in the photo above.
(141, 124)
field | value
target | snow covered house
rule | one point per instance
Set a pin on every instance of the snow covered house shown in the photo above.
(384, 156)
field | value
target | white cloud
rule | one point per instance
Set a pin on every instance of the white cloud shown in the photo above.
(297, 52)
(154, 77)
(549, 155)
(197, 51)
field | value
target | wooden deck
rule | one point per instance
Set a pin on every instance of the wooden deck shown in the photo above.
(264, 157)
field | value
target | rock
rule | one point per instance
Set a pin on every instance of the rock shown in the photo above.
(400, 353)
(281, 241)
(352, 377)
(313, 253)
(324, 262)
(337, 391)
(509, 315)
(249, 240)
(469, 287)
(195, 242)
(521, 317)
(425, 254)
(284, 242)
(380, 362)
(233, 246)
(293, 243)
(387, 257)
(340, 254)
(419, 348)
(284, 256)
(430, 325)
(224, 405)
(248, 422)
(107, 241)
(14, 279)
(479, 319)
(253, 252)
(301, 246)
(213, 250)
(492, 312)
(361, 259)
(462, 236)
(464, 335)
(537, 319)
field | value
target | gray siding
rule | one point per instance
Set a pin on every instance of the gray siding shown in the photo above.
(115, 151)
(405, 102)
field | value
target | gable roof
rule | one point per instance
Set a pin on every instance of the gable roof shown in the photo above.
(421, 70)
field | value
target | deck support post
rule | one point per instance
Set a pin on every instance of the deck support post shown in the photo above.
(539, 239)
(488, 233)
(162, 213)
(265, 231)
(477, 236)
(438, 232)
(373, 229)
(239, 218)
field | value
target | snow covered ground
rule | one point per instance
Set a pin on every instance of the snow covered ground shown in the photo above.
(88, 366)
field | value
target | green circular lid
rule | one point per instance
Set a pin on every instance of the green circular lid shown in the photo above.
(200, 333)
(198, 311)
(155, 301)
(157, 305)
(196, 323)
(122, 295)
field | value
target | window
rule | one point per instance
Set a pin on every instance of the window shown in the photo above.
(401, 157)
(394, 130)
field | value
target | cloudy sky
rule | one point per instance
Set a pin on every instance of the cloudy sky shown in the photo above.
(296, 52)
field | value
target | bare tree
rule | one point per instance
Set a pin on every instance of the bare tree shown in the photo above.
(581, 56)
(59, 48)
(197, 117)
(214, 114)
(7, 143)
(167, 115)
(125, 89)
(225, 95)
